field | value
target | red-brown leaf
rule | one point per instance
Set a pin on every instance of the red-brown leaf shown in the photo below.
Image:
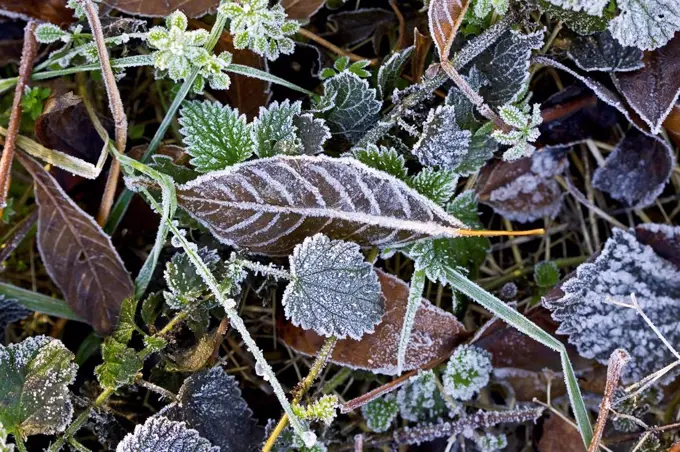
(445, 17)
(54, 11)
(435, 334)
(302, 9)
(151, 8)
(559, 436)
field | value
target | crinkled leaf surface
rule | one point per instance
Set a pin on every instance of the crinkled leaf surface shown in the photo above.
(435, 334)
(646, 24)
(653, 90)
(270, 205)
(383, 159)
(578, 21)
(11, 311)
(438, 185)
(601, 52)
(597, 328)
(273, 130)
(312, 132)
(34, 379)
(78, 255)
(216, 136)
(120, 366)
(592, 7)
(445, 16)
(210, 402)
(389, 72)
(160, 434)
(637, 171)
(664, 240)
(442, 143)
(333, 290)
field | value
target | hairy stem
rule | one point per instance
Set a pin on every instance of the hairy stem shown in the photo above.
(415, 294)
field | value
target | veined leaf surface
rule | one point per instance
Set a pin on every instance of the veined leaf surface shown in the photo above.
(270, 205)
(445, 17)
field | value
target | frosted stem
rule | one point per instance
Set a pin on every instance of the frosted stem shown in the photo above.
(415, 294)
(267, 270)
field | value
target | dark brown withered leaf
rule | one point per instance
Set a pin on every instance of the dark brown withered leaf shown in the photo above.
(351, 27)
(146, 8)
(302, 9)
(435, 334)
(665, 240)
(560, 436)
(54, 11)
(77, 254)
(601, 52)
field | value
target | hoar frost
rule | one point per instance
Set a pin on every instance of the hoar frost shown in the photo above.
(467, 372)
(380, 413)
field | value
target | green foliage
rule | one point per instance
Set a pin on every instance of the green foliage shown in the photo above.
(483, 8)
(120, 365)
(380, 413)
(50, 33)
(467, 372)
(273, 131)
(33, 101)
(420, 399)
(322, 409)
(342, 64)
(489, 442)
(546, 274)
(126, 321)
(390, 70)
(525, 130)
(179, 173)
(384, 159)
(438, 185)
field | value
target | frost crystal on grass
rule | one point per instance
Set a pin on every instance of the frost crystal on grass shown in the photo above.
(646, 24)
(160, 434)
(216, 136)
(380, 413)
(333, 290)
(419, 399)
(442, 143)
(273, 131)
(597, 328)
(592, 7)
(467, 372)
(34, 396)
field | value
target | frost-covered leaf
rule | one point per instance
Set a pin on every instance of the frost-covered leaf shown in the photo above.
(597, 328)
(442, 143)
(445, 16)
(323, 409)
(312, 132)
(592, 7)
(467, 372)
(210, 402)
(273, 131)
(524, 190)
(383, 159)
(434, 335)
(637, 171)
(333, 290)
(120, 366)
(34, 379)
(11, 311)
(506, 66)
(464, 109)
(651, 91)
(380, 413)
(578, 21)
(664, 239)
(216, 136)
(489, 442)
(601, 52)
(160, 434)
(420, 399)
(389, 72)
(271, 205)
(48, 33)
(438, 185)
(126, 320)
(77, 254)
(482, 148)
(352, 106)
(546, 274)
(524, 133)
(179, 173)
(646, 24)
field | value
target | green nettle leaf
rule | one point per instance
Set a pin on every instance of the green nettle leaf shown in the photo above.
(467, 372)
(350, 105)
(34, 379)
(126, 321)
(420, 398)
(333, 290)
(646, 24)
(438, 185)
(389, 72)
(179, 173)
(49, 33)
(442, 143)
(11, 311)
(313, 133)
(273, 131)
(380, 413)
(160, 434)
(120, 365)
(546, 274)
(383, 159)
(216, 136)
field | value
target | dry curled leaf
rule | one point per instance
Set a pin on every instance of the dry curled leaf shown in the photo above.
(270, 205)
(146, 8)
(435, 334)
(445, 17)
(77, 254)
(54, 11)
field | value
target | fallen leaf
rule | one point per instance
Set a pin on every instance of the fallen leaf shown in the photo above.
(445, 17)
(637, 171)
(524, 190)
(653, 90)
(665, 240)
(672, 124)
(146, 8)
(54, 11)
(351, 27)
(302, 9)
(270, 205)
(77, 254)
(435, 335)
(559, 436)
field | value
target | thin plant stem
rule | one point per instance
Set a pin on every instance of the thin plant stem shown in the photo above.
(333, 48)
(318, 365)
(28, 53)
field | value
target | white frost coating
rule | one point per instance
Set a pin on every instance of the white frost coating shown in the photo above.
(488, 442)
(592, 7)
(273, 131)
(380, 413)
(467, 372)
(419, 399)
(389, 71)
(646, 24)
(442, 143)
(333, 290)
(312, 132)
(597, 328)
(159, 434)
(601, 52)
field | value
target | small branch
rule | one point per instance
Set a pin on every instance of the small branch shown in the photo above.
(115, 104)
(28, 53)
(164, 393)
(333, 48)
(402, 24)
(617, 360)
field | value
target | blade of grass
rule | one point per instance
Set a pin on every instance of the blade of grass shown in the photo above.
(39, 302)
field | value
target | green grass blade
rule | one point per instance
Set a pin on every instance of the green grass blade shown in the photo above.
(39, 302)
(266, 76)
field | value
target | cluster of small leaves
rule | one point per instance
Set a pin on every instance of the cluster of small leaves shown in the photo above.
(420, 399)
(483, 8)
(489, 442)
(33, 101)
(342, 64)
(323, 409)
(467, 372)
(380, 413)
(258, 27)
(179, 51)
(524, 133)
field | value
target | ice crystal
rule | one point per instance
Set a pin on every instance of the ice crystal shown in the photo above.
(420, 399)
(489, 442)
(322, 409)
(646, 24)
(11, 311)
(524, 133)
(592, 7)
(160, 434)
(442, 143)
(467, 372)
(259, 28)
(34, 396)
(380, 413)
(179, 51)
(382, 158)
(274, 132)
(601, 52)
(333, 290)
(597, 327)
(216, 136)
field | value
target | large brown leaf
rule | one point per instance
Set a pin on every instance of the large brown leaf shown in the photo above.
(270, 205)
(445, 17)
(152, 8)
(54, 11)
(435, 334)
(302, 9)
(77, 254)
(559, 436)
